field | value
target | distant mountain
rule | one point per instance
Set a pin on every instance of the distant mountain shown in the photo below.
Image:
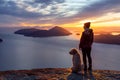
(107, 39)
(1, 40)
(55, 31)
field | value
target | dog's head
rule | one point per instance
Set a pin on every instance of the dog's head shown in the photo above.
(73, 51)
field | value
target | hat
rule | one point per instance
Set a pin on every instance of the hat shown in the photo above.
(87, 24)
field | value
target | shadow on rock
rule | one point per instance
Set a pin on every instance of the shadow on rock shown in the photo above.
(86, 76)
(74, 76)
(19, 77)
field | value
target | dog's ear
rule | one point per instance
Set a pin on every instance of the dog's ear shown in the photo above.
(70, 53)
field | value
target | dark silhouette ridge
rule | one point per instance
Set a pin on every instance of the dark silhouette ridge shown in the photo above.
(55, 31)
(1, 40)
(107, 39)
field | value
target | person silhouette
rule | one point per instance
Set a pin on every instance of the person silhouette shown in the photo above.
(86, 44)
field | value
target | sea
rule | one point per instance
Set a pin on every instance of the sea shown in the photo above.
(18, 52)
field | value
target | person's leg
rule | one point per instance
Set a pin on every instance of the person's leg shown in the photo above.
(89, 58)
(84, 59)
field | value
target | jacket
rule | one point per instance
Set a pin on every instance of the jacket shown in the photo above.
(86, 39)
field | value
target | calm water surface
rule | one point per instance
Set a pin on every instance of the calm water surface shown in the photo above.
(19, 52)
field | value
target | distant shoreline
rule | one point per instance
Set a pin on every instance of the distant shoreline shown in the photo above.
(107, 39)
(107, 43)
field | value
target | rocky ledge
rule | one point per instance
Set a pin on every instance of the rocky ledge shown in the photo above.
(58, 74)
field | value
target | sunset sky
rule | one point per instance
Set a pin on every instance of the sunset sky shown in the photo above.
(65, 13)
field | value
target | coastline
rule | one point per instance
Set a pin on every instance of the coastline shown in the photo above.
(56, 74)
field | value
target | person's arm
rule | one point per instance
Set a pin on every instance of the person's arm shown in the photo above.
(81, 41)
(92, 38)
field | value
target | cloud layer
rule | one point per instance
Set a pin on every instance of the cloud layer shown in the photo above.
(54, 11)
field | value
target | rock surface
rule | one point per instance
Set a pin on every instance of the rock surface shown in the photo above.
(58, 74)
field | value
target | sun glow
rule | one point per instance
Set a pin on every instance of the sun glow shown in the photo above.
(107, 20)
(107, 23)
(115, 23)
(115, 33)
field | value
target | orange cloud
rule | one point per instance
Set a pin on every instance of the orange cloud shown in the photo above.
(32, 24)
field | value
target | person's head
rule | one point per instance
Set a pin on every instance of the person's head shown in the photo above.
(86, 25)
(73, 51)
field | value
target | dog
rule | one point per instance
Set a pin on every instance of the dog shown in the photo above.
(76, 59)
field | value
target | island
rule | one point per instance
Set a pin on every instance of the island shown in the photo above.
(55, 31)
(1, 40)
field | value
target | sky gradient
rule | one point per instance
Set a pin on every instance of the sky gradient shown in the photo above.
(65, 13)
